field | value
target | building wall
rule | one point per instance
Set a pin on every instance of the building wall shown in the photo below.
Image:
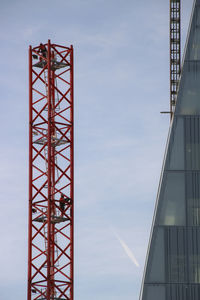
(172, 269)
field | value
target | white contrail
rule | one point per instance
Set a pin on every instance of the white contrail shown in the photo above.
(127, 250)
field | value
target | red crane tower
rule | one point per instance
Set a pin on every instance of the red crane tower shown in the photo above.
(51, 165)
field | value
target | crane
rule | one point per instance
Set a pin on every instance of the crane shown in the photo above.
(51, 173)
(175, 51)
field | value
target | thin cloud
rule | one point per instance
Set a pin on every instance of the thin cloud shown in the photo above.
(127, 250)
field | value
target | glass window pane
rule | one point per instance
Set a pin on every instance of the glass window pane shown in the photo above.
(175, 254)
(193, 292)
(171, 209)
(156, 261)
(175, 157)
(188, 96)
(193, 198)
(192, 133)
(194, 254)
(154, 292)
(177, 292)
(193, 48)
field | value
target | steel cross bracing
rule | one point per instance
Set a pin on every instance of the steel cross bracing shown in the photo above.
(175, 50)
(51, 164)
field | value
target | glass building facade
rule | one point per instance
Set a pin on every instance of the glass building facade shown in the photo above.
(172, 270)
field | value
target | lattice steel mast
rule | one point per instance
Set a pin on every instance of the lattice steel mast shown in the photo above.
(175, 50)
(51, 168)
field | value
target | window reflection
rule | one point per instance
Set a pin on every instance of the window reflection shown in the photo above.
(156, 264)
(175, 157)
(171, 210)
(193, 198)
(192, 133)
(154, 292)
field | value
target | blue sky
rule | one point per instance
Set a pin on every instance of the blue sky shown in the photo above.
(121, 85)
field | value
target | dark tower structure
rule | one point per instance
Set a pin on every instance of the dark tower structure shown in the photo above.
(51, 165)
(175, 50)
(172, 270)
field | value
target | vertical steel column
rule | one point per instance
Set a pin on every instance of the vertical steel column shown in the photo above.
(175, 51)
(51, 173)
(30, 175)
(72, 168)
